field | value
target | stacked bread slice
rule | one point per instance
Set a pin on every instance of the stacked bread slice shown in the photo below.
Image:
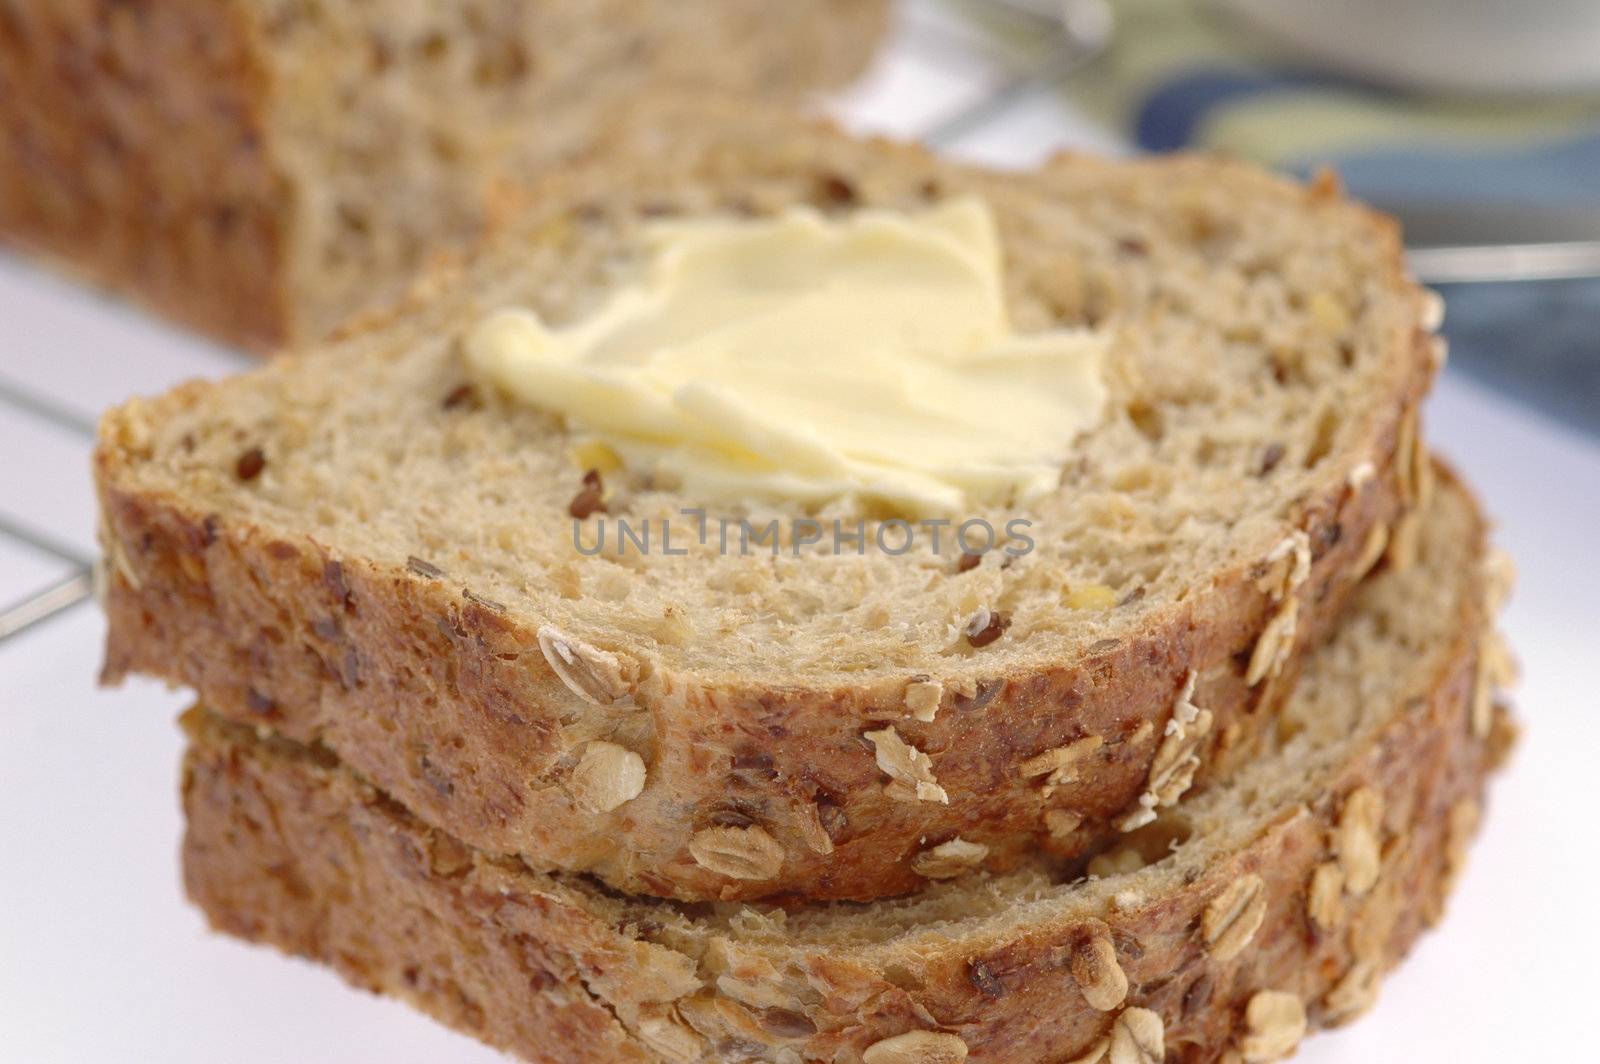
(1197, 796)
(1268, 904)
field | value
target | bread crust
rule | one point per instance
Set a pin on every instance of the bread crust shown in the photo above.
(133, 154)
(288, 848)
(449, 703)
(449, 706)
(142, 147)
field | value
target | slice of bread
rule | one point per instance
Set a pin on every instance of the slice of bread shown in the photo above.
(363, 547)
(1268, 906)
(261, 169)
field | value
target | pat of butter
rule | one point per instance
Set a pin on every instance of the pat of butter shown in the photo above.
(808, 358)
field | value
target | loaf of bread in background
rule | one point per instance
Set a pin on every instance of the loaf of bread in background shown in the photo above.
(260, 170)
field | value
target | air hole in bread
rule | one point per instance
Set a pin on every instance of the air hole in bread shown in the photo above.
(434, 47)
(353, 220)
(503, 63)
(1322, 437)
(1156, 840)
(902, 977)
(1147, 419)
(380, 55)
(444, 146)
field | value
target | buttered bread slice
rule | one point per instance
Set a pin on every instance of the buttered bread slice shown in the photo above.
(617, 550)
(1224, 930)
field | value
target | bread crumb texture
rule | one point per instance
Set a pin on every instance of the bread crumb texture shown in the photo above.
(406, 537)
(1202, 946)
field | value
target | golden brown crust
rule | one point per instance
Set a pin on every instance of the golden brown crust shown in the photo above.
(133, 152)
(452, 707)
(288, 848)
(449, 705)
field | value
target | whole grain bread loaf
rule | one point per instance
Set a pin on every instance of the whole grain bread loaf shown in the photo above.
(261, 169)
(1226, 929)
(366, 548)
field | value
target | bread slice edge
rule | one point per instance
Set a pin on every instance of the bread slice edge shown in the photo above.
(1293, 929)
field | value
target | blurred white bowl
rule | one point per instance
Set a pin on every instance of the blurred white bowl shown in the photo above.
(1474, 46)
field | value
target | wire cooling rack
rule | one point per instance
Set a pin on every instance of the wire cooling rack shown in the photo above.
(951, 74)
(35, 412)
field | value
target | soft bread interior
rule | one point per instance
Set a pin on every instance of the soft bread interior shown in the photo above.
(1258, 328)
(1403, 632)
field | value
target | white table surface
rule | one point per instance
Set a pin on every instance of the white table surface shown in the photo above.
(102, 960)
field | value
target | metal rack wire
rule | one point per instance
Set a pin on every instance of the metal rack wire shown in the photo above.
(76, 587)
(1074, 48)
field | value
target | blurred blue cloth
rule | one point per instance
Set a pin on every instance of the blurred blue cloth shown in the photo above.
(1180, 78)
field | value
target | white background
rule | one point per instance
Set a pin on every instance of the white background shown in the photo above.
(101, 959)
